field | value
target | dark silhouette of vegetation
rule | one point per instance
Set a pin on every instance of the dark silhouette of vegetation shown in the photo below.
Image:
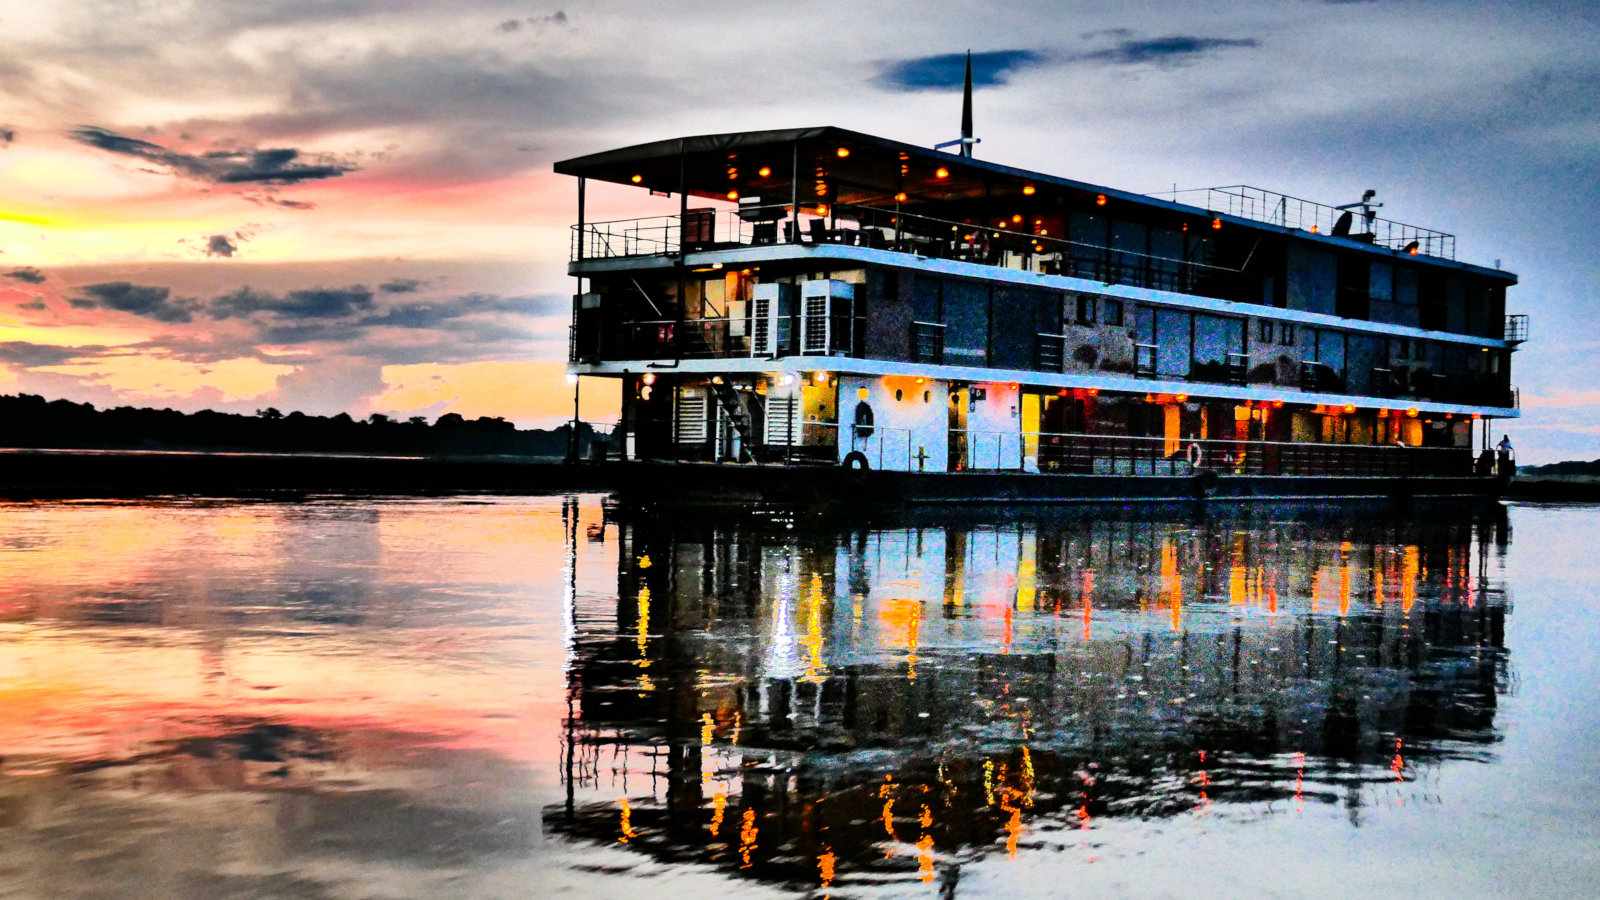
(34, 422)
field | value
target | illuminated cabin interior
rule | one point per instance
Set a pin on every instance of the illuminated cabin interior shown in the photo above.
(820, 295)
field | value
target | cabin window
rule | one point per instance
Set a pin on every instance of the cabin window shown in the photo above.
(1173, 333)
(1264, 331)
(1112, 310)
(1086, 309)
(1286, 334)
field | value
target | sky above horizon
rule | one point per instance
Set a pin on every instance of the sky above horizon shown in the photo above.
(348, 205)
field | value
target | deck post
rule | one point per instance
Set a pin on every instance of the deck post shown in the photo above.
(572, 439)
(794, 195)
(578, 254)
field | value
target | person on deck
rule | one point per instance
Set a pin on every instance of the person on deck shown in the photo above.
(1504, 455)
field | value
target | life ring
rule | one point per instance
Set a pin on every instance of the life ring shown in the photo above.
(855, 461)
(1197, 455)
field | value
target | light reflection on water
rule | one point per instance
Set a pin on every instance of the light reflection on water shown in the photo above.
(530, 695)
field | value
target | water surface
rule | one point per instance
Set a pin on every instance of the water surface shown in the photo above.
(506, 697)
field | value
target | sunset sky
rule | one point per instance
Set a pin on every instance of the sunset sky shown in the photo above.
(348, 205)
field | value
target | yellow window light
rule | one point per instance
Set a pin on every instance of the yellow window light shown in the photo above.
(1029, 190)
(764, 171)
(900, 197)
(941, 172)
(733, 195)
(637, 178)
(842, 152)
(1099, 199)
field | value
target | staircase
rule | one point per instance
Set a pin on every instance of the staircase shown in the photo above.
(734, 409)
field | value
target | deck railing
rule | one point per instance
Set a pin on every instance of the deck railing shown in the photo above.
(1273, 208)
(1089, 454)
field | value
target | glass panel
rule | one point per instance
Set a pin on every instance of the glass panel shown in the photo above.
(966, 309)
(1172, 343)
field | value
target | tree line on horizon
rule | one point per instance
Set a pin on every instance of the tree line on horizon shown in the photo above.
(37, 423)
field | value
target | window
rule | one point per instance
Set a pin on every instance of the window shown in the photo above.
(1286, 334)
(1265, 331)
(1085, 309)
(1113, 311)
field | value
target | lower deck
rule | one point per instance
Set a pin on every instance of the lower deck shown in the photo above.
(927, 426)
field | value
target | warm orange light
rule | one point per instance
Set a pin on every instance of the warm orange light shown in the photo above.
(733, 195)
(842, 152)
(1099, 199)
(1029, 190)
(649, 378)
(822, 209)
(941, 172)
(1044, 232)
(921, 380)
(1216, 224)
(900, 197)
(1412, 412)
(636, 179)
(1094, 392)
(822, 190)
(820, 378)
(1061, 393)
(764, 171)
(1414, 251)
(1016, 217)
(1015, 385)
(1349, 407)
(732, 174)
(1183, 398)
(1277, 404)
(1001, 223)
(861, 393)
(1476, 417)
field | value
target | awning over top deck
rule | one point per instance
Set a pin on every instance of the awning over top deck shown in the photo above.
(825, 165)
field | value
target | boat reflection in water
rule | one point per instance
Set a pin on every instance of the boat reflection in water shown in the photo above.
(835, 709)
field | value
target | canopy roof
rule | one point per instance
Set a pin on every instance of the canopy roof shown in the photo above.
(837, 165)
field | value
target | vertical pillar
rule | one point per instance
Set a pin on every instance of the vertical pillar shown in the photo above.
(578, 251)
(794, 195)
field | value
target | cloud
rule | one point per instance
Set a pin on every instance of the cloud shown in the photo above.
(276, 165)
(313, 303)
(147, 301)
(270, 200)
(509, 26)
(27, 355)
(36, 304)
(220, 245)
(1162, 51)
(28, 274)
(946, 70)
(7, 135)
(401, 286)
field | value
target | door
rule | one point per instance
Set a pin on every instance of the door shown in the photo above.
(959, 398)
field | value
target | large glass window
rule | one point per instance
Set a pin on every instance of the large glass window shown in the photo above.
(1330, 350)
(1214, 338)
(966, 315)
(1172, 343)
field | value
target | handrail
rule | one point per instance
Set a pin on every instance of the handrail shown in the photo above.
(1288, 211)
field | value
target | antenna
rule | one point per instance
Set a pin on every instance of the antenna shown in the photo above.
(966, 140)
(1369, 210)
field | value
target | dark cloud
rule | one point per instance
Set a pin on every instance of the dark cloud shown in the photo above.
(7, 134)
(36, 304)
(432, 315)
(401, 286)
(28, 274)
(270, 200)
(557, 18)
(141, 300)
(1170, 50)
(28, 355)
(220, 245)
(278, 165)
(945, 70)
(313, 303)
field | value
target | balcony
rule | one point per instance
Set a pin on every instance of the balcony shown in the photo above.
(1516, 328)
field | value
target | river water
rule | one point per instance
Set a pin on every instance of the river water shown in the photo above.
(543, 696)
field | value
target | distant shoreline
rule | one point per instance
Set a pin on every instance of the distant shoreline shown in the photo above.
(111, 474)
